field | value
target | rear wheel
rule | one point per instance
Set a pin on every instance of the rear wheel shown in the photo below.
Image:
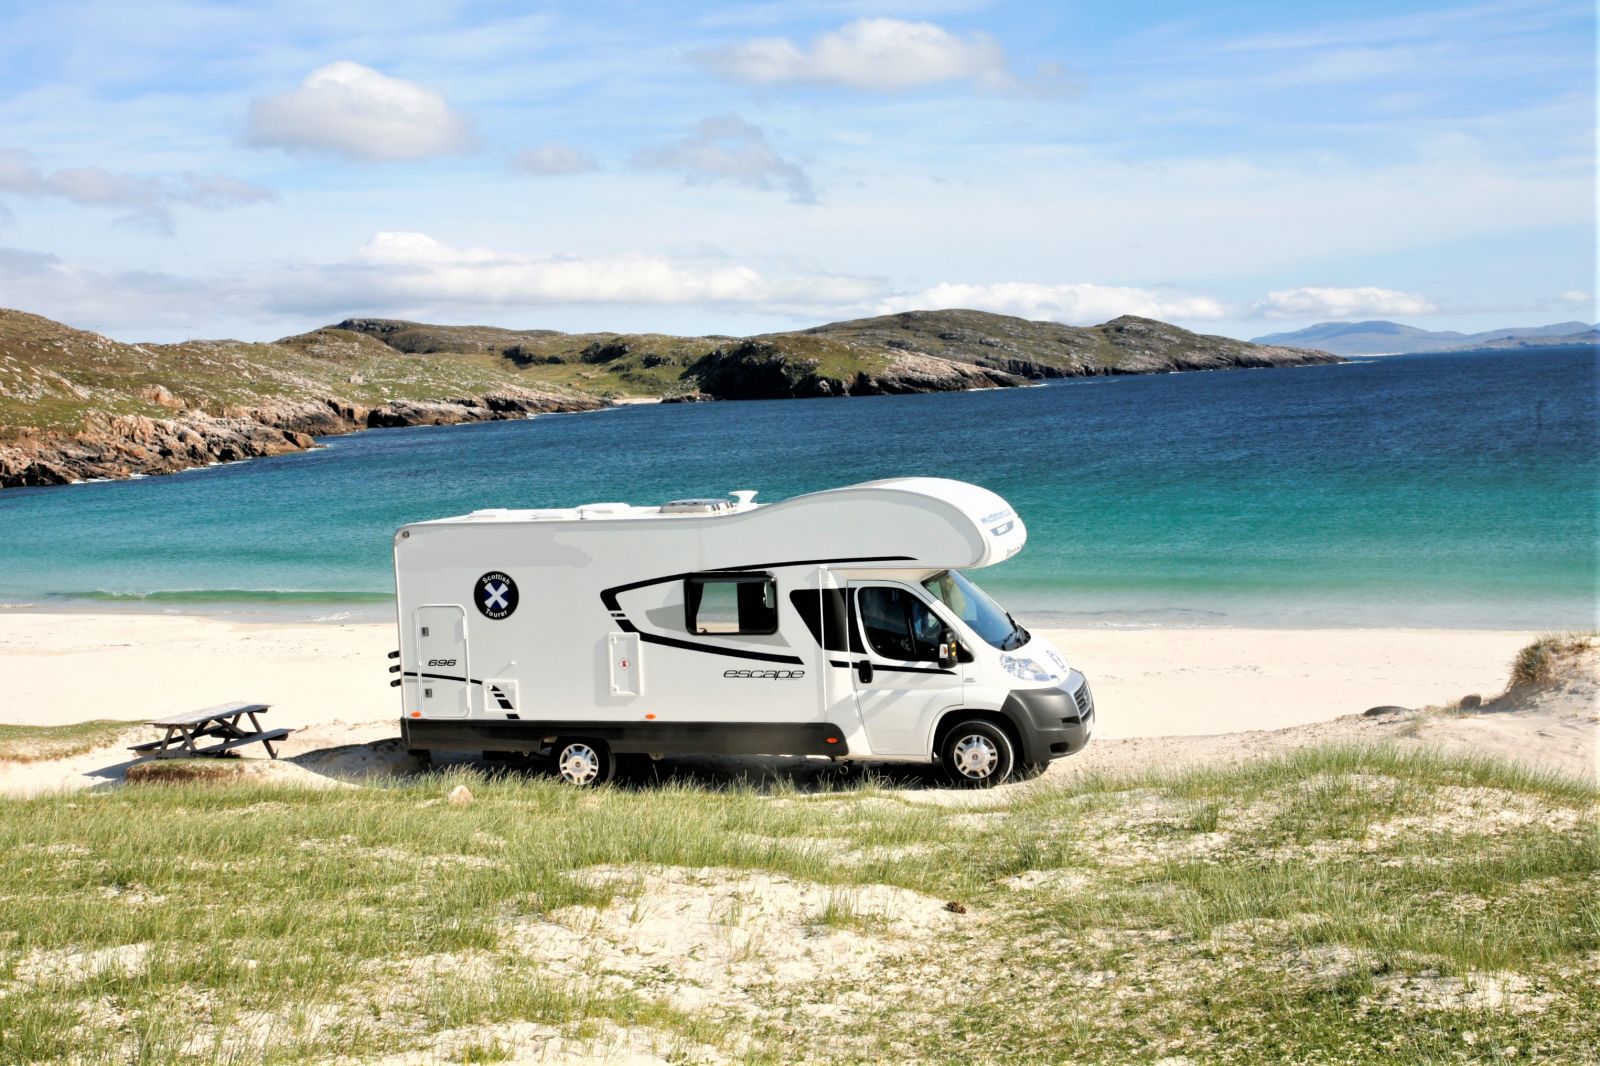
(977, 754)
(584, 763)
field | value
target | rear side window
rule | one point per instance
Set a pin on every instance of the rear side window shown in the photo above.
(731, 603)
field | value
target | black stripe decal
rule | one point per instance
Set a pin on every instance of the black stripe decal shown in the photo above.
(442, 677)
(712, 649)
(899, 669)
(609, 598)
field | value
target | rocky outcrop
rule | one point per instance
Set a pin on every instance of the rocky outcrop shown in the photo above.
(758, 369)
(120, 446)
(916, 372)
(1016, 346)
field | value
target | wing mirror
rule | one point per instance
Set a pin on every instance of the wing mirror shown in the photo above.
(949, 650)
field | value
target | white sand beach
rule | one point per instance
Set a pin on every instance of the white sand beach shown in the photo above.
(1164, 696)
(69, 667)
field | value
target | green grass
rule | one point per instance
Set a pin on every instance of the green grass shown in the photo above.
(35, 743)
(1331, 905)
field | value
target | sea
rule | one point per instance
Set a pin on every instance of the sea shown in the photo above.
(1437, 490)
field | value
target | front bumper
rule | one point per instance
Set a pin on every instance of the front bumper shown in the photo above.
(1052, 722)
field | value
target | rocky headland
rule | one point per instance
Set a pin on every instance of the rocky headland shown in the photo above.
(77, 406)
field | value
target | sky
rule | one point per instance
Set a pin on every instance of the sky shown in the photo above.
(174, 168)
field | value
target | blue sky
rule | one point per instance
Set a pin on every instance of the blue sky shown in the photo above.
(173, 168)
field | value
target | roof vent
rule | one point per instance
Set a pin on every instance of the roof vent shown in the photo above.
(743, 496)
(718, 506)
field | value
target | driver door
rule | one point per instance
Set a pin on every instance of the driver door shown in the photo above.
(899, 683)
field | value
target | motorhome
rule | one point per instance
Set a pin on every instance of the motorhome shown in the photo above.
(841, 623)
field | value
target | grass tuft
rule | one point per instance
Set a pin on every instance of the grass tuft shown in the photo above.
(1537, 664)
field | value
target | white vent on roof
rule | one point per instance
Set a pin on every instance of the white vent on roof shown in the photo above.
(743, 496)
(598, 509)
(697, 507)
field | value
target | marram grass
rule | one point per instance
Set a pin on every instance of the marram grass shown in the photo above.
(1331, 905)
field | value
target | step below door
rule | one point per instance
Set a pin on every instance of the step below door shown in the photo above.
(442, 662)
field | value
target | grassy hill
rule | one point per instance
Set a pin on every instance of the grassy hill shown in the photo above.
(52, 376)
(1126, 345)
(77, 405)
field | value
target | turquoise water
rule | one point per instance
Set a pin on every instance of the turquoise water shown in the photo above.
(1449, 490)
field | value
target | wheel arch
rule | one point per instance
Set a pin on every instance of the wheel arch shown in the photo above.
(956, 715)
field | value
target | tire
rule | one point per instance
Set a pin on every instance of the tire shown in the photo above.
(977, 754)
(583, 763)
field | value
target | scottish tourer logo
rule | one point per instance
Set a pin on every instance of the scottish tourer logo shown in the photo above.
(496, 595)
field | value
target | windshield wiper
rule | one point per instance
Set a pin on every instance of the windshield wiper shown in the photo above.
(1018, 637)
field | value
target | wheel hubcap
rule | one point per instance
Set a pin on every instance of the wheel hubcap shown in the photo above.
(578, 764)
(976, 757)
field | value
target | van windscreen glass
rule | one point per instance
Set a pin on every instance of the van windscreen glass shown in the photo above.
(731, 603)
(974, 607)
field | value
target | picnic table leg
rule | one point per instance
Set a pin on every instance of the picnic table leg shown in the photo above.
(256, 724)
(166, 742)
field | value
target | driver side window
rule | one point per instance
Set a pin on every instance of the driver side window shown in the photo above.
(898, 625)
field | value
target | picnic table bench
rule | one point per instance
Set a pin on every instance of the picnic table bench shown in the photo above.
(221, 722)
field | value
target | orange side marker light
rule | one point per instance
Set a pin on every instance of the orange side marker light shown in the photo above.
(416, 714)
(650, 717)
(833, 740)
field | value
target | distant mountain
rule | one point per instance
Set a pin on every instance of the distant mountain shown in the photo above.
(1383, 338)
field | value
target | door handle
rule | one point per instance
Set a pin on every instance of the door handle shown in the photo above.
(864, 671)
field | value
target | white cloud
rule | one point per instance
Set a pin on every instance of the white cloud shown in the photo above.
(1327, 302)
(144, 200)
(875, 54)
(413, 275)
(44, 284)
(354, 111)
(1577, 296)
(554, 159)
(417, 272)
(1079, 303)
(727, 147)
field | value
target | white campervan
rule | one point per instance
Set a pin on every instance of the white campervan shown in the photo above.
(837, 624)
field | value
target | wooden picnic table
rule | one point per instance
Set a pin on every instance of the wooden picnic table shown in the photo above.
(222, 722)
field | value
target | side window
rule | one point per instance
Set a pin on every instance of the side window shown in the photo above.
(731, 603)
(899, 625)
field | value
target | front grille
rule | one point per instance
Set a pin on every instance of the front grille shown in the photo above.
(1084, 699)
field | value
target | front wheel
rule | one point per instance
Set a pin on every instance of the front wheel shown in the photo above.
(977, 754)
(584, 763)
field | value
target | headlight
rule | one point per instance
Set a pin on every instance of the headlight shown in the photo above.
(1025, 669)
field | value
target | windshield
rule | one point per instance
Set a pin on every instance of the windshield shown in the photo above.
(974, 607)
